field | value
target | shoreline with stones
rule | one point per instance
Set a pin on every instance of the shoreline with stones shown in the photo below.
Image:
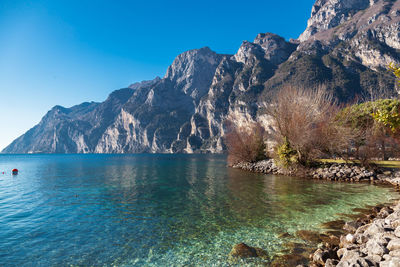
(341, 172)
(372, 240)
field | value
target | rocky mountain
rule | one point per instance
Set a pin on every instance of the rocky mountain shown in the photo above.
(347, 45)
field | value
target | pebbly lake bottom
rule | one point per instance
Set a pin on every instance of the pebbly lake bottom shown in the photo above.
(158, 210)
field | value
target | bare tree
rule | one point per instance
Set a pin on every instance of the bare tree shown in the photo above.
(303, 117)
(245, 144)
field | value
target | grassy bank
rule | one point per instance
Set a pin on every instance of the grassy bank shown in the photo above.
(380, 163)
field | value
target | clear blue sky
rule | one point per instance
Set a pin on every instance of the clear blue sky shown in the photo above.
(58, 52)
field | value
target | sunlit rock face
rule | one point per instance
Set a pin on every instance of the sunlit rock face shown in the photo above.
(347, 45)
(358, 30)
(145, 117)
(327, 14)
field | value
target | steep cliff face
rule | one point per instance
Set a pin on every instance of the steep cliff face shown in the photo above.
(237, 84)
(60, 131)
(352, 57)
(327, 14)
(370, 37)
(150, 121)
(346, 45)
(71, 130)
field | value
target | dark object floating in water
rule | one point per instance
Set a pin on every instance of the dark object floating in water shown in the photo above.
(15, 171)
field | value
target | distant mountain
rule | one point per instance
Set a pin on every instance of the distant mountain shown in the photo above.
(347, 45)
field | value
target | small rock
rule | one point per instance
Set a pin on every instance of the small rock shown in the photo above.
(396, 223)
(362, 229)
(374, 258)
(393, 262)
(331, 263)
(350, 238)
(317, 257)
(360, 239)
(395, 253)
(387, 257)
(375, 248)
(349, 255)
(375, 228)
(397, 231)
(394, 244)
(341, 252)
(384, 212)
(394, 217)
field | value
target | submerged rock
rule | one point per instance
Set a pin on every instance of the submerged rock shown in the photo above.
(334, 225)
(295, 248)
(244, 251)
(312, 236)
(288, 260)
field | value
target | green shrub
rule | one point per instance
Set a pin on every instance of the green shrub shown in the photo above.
(388, 114)
(364, 115)
(286, 156)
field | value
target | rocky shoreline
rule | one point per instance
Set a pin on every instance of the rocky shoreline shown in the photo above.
(373, 239)
(345, 172)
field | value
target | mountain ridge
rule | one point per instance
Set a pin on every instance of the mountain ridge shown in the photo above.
(346, 45)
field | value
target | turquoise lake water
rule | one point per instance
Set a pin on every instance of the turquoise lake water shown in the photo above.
(156, 210)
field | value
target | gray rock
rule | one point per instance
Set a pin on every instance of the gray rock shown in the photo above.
(318, 257)
(395, 253)
(331, 263)
(374, 259)
(375, 228)
(350, 256)
(393, 262)
(394, 244)
(351, 226)
(375, 248)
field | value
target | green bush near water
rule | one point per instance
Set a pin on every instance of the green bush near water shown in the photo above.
(286, 155)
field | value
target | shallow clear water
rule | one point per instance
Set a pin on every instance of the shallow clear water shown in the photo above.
(135, 210)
